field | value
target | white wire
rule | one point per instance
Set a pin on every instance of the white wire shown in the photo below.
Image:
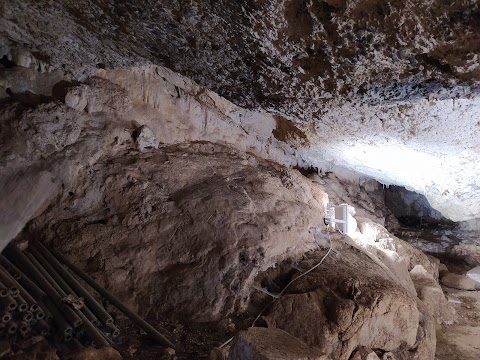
(286, 286)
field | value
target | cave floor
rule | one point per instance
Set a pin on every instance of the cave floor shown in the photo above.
(460, 340)
(194, 341)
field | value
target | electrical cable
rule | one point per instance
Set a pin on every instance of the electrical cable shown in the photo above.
(277, 296)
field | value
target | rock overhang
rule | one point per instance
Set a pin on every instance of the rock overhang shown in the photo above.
(386, 90)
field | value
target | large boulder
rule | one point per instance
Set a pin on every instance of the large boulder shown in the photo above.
(184, 230)
(460, 282)
(354, 302)
(270, 344)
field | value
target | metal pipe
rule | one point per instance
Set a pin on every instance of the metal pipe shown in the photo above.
(27, 316)
(61, 282)
(39, 313)
(3, 290)
(106, 338)
(22, 304)
(5, 317)
(75, 345)
(113, 330)
(57, 316)
(92, 332)
(13, 290)
(24, 329)
(79, 333)
(42, 327)
(52, 303)
(56, 292)
(8, 303)
(24, 293)
(11, 328)
(150, 330)
(89, 300)
(48, 316)
(25, 281)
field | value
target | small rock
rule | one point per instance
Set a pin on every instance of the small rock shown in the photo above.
(146, 139)
(169, 352)
(227, 325)
(30, 342)
(388, 356)
(365, 354)
(270, 344)
(474, 274)
(458, 282)
(218, 354)
(39, 350)
(430, 292)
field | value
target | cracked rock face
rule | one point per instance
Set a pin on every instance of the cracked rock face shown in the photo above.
(388, 90)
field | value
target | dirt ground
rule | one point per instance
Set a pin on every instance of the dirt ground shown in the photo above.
(461, 341)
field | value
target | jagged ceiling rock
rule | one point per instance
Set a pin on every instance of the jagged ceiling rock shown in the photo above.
(389, 90)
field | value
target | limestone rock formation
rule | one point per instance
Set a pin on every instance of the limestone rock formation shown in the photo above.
(430, 292)
(372, 87)
(353, 305)
(185, 229)
(457, 281)
(270, 344)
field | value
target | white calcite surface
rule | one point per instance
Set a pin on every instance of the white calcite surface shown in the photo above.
(430, 146)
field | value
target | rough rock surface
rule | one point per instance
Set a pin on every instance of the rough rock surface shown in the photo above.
(450, 242)
(366, 88)
(457, 281)
(186, 229)
(431, 293)
(474, 274)
(49, 141)
(355, 301)
(365, 354)
(270, 344)
(389, 90)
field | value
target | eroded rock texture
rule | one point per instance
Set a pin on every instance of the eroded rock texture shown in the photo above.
(184, 231)
(369, 295)
(389, 90)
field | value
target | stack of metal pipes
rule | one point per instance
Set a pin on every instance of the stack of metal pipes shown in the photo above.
(39, 295)
(36, 293)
